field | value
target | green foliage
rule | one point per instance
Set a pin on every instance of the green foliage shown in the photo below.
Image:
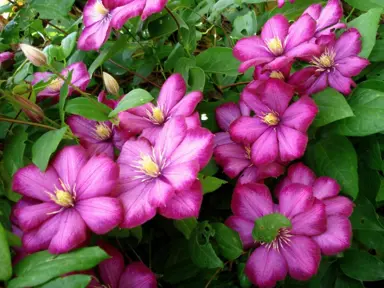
(267, 227)
(134, 98)
(5, 256)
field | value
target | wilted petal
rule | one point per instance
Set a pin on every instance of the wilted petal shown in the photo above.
(300, 31)
(152, 7)
(187, 104)
(300, 114)
(172, 91)
(111, 269)
(121, 14)
(311, 222)
(244, 227)
(137, 275)
(41, 76)
(339, 82)
(94, 36)
(276, 27)
(339, 205)
(330, 15)
(348, 44)
(232, 157)
(226, 114)
(351, 66)
(325, 187)
(5, 56)
(295, 199)
(301, 174)
(292, 143)
(265, 149)
(247, 129)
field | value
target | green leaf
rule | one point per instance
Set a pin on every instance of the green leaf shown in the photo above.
(41, 267)
(5, 256)
(364, 216)
(345, 282)
(367, 24)
(338, 161)
(14, 150)
(243, 279)
(87, 108)
(51, 9)
(196, 79)
(291, 10)
(368, 107)
(63, 96)
(211, 184)
(377, 53)
(73, 281)
(43, 148)
(201, 250)
(361, 265)
(229, 242)
(186, 226)
(245, 25)
(267, 227)
(54, 53)
(136, 97)
(380, 194)
(68, 44)
(218, 60)
(371, 240)
(137, 232)
(366, 4)
(162, 26)
(332, 107)
(13, 240)
(173, 58)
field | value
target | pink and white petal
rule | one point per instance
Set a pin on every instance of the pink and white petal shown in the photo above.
(348, 44)
(193, 121)
(311, 222)
(265, 149)
(232, 157)
(101, 214)
(292, 143)
(83, 128)
(244, 66)
(281, 185)
(110, 270)
(94, 36)
(32, 216)
(71, 233)
(252, 48)
(222, 138)
(338, 205)
(338, 236)
(314, 11)
(133, 123)
(276, 94)
(31, 182)
(137, 275)
(301, 174)
(302, 256)
(226, 114)
(142, 110)
(244, 227)
(152, 7)
(304, 51)
(295, 199)
(325, 187)
(172, 91)
(339, 82)
(187, 104)
(266, 267)
(132, 151)
(330, 15)
(351, 66)
(121, 14)
(152, 133)
(276, 27)
(94, 149)
(300, 31)
(185, 203)
(129, 178)
(181, 175)
(161, 193)
(251, 201)
(300, 114)
(247, 129)
(97, 178)
(91, 12)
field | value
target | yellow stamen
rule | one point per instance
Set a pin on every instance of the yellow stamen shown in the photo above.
(62, 198)
(247, 151)
(100, 9)
(277, 75)
(271, 119)
(103, 131)
(158, 115)
(56, 84)
(275, 46)
(325, 61)
(149, 166)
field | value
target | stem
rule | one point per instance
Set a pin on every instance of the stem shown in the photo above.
(174, 18)
(349, 15)
(57, 28)
(234, 84)
(11, 120)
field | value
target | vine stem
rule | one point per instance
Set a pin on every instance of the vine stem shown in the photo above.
(234, 84)
(11, 120)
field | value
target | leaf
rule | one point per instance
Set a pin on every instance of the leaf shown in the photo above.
(5, 257)
(245, 25)
(345, 282)
(196, 79)
(335, 157)
(371, 240)
(377, 53)
(229, 242)
(13, 240)
(210, 184)
(368, 107)
(69, 43)
(43, 148)
(366, 4)
(361, 265)
(41, 267)
(14, 150)
(173, 58)
(243, 279)
(73, 281)
(136, 97)
(63, 96)
(367, 24)
(54, 53)
(201, 250)
(186, 226)
(51, 9)
(267, 227)
(218, 60)
(364, 216)
(87, 108)
(332, 107)
(380, 194)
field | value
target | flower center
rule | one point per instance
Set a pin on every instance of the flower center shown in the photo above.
(158, 115)
(325, 61)
(100, 9)
(103, 131)
(277, 75)
(56, 84)
(62, 197)
(275, 46)
(271, 119)
(282, 238)
(148, 166)
(247, 151)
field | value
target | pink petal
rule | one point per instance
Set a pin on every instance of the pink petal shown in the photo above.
(338, 205)
(184, 204)
(300, 31)
(30, 181)
(339, 82)
(226, 114)
(133, 123)
(351, 66)
(71, 233)
(314, 11)
(256, 174)
(110, 270)
(265, 149)
(181, 175)
(330, 30)
(161, 192)
(292, 143)
(300, 114)
(281, 185)
(152, 133)
(252, 48)
(325, 187)
(295, 199)
(265, 267)
(302, 256)
(97, 178)
(193, 121)
(338, 236)
(253, 62)
(311, 222)
(330, 15)
(276, 27)
(232, 157)
(152, 7)
(91, 14)
(94, 149)
(80, 76)
(251, 98)
(142, 110)
(301, 174)
(121, 14)
(187, 104)
(247, 129)
(308, 81)
(101, 214)
(83, 128)
(222, 138)
(244, 227)
(22, 203)
(5, 56)
(137, 275)
(172, 91)
(32, 216)
(279, 63)
(94, 36)
(348, 44)
(41, 76)
(304, 51)
(251, 201)
(120, 136)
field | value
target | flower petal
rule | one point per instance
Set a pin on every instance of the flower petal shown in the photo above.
(121, 14)
(304, 51)
(325, 187)
(110, 270)
(83, 128)
(256, 174)
(222, 138)
(311, 222)
(94, 36)
(308, 81)
(133, 123)
(265, 148)
(95, 149)
(348, 44)
(251, 99)
(137, 275)
(314, 11)
(120, 136)
(232, 157)
(338, 205)
(279, 63)
(251, 48)
(340, 83)
(32, 216)
(152, 7)
(187, 104)
(152, 133)
(275, 27)
(247, 129)
(244, 227)
(301, 174)
(300, 31)
(292, 143)
(91, 14)
(181, 175)
(330, 15)
(226, 114)
(193, 121)
(172, 91)
(351, 66)
(80, 76)
(295, 199)
(300, 114)
(161, 192)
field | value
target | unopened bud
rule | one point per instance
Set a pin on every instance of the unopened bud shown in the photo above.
(36, 56)
(111, 84)
(32, 110)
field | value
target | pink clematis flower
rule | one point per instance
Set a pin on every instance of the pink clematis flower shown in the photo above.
(278, 45)
(336, 66)
(233, 157)
(163, 176)
(99, 137)
(280, 3)
(114, 274)
(277, 132)
(74, 196)
(80, 78)
(337, 238)
(149, 119)
(293, 250)
(5, 56)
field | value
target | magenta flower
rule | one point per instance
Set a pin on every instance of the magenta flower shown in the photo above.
(149, 119)
(80, 79)
(280, 3)
(233, 157)
(293, 250)
(336, 66)
(277, 132)
(74, 196)
(163, 176)
(5, 56)
(278, 44)
(114, 274)
(337, 238)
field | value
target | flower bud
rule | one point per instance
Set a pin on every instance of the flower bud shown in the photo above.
(36, 56)
(111, 84)
(32, 110)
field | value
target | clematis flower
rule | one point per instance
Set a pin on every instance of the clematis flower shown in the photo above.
(149, 119)
(277, 132)
(162, 177)
(80, 79)
(5, 56)
(114, 274)
(336, 66)
(291, 249)
(337, 238)
(280, 3)
(74, 196)
(278, 45)
(233, 157)
(99, 137)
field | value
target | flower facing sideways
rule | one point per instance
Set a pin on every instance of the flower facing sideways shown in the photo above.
(74, 196)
